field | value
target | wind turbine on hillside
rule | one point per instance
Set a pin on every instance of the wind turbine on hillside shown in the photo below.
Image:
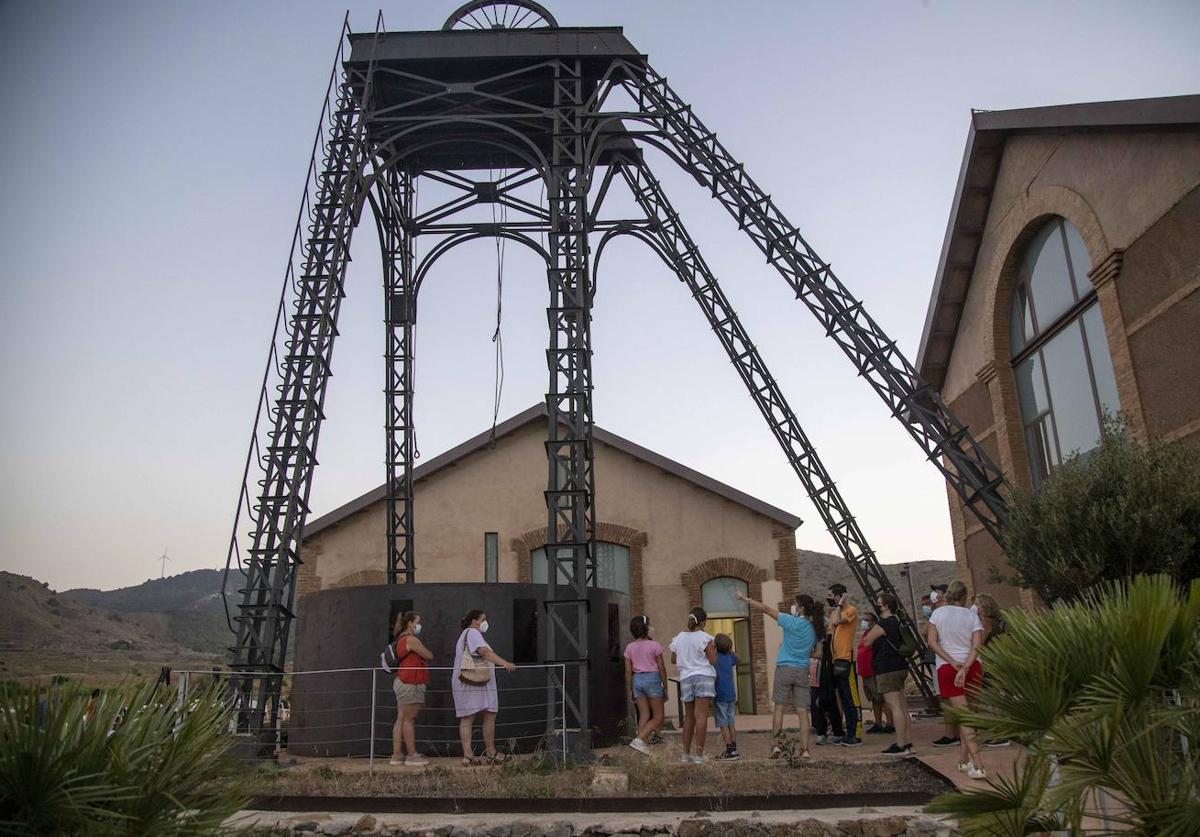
(163, 559)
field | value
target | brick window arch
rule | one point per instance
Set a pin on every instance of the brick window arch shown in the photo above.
(633, 539)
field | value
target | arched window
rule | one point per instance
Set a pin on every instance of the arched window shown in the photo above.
(612, 567)
(1065, 379)
(717, 597)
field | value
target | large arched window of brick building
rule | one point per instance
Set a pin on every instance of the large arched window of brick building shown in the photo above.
(1064, 372)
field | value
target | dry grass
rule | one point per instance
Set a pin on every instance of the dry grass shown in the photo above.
(526, 778)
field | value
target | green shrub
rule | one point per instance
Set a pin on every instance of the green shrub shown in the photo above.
(140, 764)
(1104, 693)
(1116, 512)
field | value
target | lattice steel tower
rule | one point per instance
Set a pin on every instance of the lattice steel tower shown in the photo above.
(505, 113)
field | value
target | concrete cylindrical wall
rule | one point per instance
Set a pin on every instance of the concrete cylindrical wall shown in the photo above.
(347, 628)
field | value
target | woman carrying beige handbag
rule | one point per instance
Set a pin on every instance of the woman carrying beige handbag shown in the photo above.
(474, 685)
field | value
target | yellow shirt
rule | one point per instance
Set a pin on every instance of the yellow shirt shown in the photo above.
(843, 633)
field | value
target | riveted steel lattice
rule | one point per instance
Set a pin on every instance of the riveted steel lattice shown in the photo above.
(509, 127)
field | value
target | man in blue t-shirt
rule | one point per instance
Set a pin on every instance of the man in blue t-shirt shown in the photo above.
(791, 666)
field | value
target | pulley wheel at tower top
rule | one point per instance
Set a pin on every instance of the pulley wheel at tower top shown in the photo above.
(500, 14)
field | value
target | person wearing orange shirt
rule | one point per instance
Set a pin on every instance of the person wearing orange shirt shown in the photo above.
(843, 622)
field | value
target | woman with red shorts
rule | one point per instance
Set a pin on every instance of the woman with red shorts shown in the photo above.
(955, 634)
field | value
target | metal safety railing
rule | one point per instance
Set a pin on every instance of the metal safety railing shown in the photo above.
(351, 713)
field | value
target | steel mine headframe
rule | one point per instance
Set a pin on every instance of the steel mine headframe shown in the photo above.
(505, 112)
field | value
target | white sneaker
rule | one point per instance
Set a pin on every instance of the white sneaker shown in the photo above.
(700, 758)
(976, 773)
(965, 767)
(686, 758)
(416, 760)
(397, 762)
(640, 745)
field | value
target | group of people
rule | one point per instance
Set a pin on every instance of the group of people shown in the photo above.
(816, 675)
(473, 686)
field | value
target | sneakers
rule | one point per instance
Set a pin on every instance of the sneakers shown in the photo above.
(776, 751)
(889, 729)
(850, 741)
(946, 741)
(397, 762)
(821, 739)
(875, 729)
(976, 773)
(897, 750)
(686, 758)
(730, 754)
(654, 738)
(640, 745)
(700, 758)
(416, 760)
(964, 767)
(997, 742)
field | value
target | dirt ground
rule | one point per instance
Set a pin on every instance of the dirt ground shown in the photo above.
(657, 775)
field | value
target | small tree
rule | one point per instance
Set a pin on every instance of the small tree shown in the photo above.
(1117, 511)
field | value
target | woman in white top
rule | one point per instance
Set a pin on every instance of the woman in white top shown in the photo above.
(954, 635)
(694, 652)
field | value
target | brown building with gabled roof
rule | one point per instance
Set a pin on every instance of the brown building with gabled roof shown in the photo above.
(1068, 288)
(669, 536)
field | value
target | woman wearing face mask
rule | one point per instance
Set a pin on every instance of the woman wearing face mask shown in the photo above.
(474, 687)
(409, 687)
(800, 630)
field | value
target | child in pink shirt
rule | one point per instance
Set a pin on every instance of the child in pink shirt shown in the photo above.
(646, 680)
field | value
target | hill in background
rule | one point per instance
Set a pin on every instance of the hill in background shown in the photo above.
(184, 609)
(818, 570)
(107, 634)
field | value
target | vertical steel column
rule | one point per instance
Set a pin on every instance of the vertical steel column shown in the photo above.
(570, 531)
(400, 315)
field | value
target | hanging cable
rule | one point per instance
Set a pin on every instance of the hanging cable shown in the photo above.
(497, 335)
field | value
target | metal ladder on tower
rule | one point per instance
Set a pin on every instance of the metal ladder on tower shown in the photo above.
(277, 480)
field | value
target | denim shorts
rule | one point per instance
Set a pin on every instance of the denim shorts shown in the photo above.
(697, 686)
(647, 684)
(723, 712)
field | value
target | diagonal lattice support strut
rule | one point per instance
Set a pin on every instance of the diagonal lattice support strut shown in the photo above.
(682, 255)
(917, 405)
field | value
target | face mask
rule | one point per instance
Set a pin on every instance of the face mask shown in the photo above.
(795, 610)
(865, 625)
(483, 626)
(417, 629)
(926, 609)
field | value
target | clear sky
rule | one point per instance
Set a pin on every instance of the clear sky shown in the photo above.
(151, 158)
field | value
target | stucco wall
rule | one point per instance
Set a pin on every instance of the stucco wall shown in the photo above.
(501, 490)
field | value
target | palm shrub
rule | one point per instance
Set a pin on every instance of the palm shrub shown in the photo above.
(1104, 694)
(144, 763)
